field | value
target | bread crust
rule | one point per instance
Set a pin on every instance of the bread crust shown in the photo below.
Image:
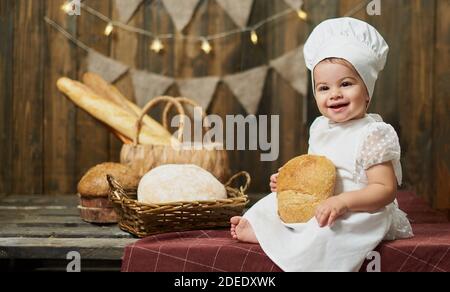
(179, 183)
(95, 184)
(303, 183)
(113, 115)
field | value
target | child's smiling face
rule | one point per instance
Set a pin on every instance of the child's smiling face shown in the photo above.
(341, 95)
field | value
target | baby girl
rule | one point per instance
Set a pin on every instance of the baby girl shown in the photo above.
(345, 56)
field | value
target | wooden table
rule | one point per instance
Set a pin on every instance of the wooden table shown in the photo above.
(37, 233)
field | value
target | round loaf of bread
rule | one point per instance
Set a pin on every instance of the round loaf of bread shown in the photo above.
(303, 183)
(95, 184)
(179, 183)
(93, 189)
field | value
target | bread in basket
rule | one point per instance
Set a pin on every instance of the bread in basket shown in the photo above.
(142, 219)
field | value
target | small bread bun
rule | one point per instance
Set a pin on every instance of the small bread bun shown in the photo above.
(303, 183)
(95, 184)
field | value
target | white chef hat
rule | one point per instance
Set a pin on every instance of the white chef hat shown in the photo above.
(353, 40)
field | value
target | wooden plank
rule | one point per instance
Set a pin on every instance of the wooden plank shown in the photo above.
(28, 72)
(60, 113)
(226, 58)
(353, 7)
(284, 36)
(58, 248)
(65, 219)
(125, 49)
(6, 97)
(415, 95)
(157, 20)
(92, 138)
(32, 214)
(252, 56)
(441, 108)
(61, 230)
(38, 201)
(391, 24)
(49, 216)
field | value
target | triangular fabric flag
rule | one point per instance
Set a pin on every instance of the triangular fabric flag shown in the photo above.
(200, 90)
(239, 10)
(248, 87)
(126, 8)
(149, 85)
(106, 67)
(295, 4)
(292, 68)
(181, 11)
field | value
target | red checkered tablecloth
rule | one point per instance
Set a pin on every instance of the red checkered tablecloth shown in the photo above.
(216, 251)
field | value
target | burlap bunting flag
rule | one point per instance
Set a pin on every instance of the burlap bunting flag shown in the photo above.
(239, 11)
(148, 85)
(292, 68)
(295, 4)
(126, 8)
(200, 90)
(106, 67)
(248, 87)
(181, 12)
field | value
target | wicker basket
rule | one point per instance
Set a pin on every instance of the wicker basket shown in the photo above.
(142, 158)
(143, 220)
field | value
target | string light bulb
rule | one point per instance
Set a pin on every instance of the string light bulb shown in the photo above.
(157, 46)
(66, 7)
(109, 29)
(254, 37)
(302, 14)
(206, 46)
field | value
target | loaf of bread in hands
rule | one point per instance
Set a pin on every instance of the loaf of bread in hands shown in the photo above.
(303, 183)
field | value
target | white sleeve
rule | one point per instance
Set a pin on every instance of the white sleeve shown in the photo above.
(380, 144)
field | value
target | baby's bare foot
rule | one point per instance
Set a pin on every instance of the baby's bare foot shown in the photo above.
(242, 230)
(234, 222)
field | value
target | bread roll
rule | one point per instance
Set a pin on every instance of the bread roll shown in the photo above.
(95, 184)
(93, 189)
(303, 183)
(179, 182)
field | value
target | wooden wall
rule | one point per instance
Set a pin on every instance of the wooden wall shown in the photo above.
(46, 143)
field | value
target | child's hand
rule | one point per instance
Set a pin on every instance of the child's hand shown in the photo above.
(273, 182)
(330, 210)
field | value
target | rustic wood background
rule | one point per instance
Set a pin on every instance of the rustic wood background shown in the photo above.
(46, 143)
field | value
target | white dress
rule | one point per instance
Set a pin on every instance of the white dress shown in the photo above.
(353, 146)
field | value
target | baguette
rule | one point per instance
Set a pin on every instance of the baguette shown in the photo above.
(109, 113)
(102, 87)
(106, 90)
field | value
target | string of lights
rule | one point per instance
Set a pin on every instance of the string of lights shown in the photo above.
(205, 41)
(157, 44)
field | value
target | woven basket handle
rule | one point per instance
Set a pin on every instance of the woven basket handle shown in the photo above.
(115, 189)
(170, 100)
(186, 101)
(237, 175)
